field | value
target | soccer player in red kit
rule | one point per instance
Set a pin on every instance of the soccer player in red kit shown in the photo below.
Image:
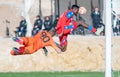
(66, 24)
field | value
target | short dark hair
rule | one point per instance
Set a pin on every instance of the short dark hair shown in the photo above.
(38, 16)
(75, 6)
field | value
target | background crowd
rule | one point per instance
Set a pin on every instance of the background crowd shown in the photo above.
(47, 23)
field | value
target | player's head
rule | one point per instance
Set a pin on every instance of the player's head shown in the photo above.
(38, 17)
(52, 31)
(22, 18)
(75, 9)
(96, 9)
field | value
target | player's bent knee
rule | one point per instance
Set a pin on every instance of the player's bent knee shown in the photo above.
(64, 49)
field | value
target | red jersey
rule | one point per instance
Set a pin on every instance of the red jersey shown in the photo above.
(66, 22)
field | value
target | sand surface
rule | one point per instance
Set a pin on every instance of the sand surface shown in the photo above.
(84, 53)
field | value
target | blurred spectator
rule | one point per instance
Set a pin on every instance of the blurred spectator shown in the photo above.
(119, 23)
(116, 29)
(22, 29)
(100, 25)
(47, 23)
(7, 28)
(114, 20)
(79, 31)
(51, 18)
(96, 17)
(37, 25)
(55, 21)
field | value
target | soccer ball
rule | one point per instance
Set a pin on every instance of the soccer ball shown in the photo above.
(82, 10)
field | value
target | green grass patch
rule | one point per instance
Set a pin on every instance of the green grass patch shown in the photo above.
(55, 74)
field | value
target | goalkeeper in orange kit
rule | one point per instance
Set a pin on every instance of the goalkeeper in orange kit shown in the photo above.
(33, 44)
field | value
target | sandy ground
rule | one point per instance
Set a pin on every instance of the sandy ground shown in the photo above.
(84, 53)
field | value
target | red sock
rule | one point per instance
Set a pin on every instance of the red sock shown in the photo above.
(21, 50)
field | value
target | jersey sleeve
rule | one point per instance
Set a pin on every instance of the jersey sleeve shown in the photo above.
(65, 18)
(69, 14)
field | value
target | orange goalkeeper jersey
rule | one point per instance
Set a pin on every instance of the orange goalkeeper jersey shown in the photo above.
(40, 40)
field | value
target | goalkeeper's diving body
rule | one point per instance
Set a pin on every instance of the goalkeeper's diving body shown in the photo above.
(34, 43)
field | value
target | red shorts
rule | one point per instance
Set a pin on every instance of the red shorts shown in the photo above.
(67, 28)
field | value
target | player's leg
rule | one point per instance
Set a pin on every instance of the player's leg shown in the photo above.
(19, 40)
(63, 43)
(29, 49)
(16, 51)
(20, 50)
(23, 50)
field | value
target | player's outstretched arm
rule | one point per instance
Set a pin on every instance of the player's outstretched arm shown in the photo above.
(83, 10)
(45, 51)
(58, 50)
(55, 46)
(90, 27)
